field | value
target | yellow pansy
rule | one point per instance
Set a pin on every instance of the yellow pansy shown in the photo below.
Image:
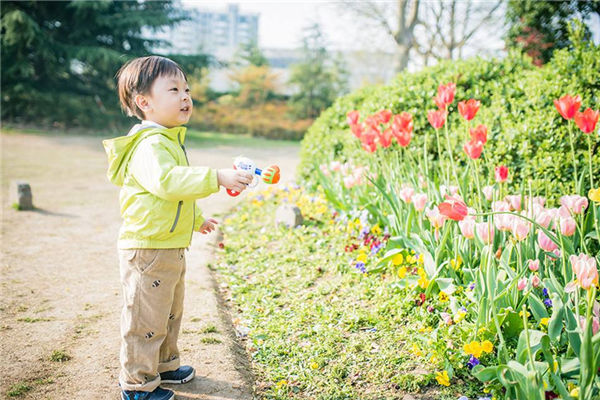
(281, 383)
(362, 257)
(443, 297)
(460, 315)
(314, 365)
(442, 378)
(487, 346)
(544, 321)
(526, 315)
(416, 351)
(574, 392)
(376, 230)
(456, 263)
(423, 282)
(398, 259)
(402, 272)
(421, 259)
(594, 195)
(473, 348)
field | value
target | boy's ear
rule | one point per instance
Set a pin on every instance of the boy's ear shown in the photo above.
(142, 102)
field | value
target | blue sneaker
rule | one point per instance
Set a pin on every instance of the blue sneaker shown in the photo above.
(182, 374)
(157, 394)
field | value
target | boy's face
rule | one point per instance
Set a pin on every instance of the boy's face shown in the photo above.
(169, 102)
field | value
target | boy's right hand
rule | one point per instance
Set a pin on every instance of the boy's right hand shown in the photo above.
(234, 179)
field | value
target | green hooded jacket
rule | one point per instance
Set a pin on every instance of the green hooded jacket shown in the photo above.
(158, 188)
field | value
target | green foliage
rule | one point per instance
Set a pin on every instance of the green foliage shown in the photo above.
(318, 78)
(540, 27)
(59, 58)
(526, 133)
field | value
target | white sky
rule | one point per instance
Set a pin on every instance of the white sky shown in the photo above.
(281, 23)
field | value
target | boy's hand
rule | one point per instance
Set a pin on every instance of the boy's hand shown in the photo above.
(234, 179)
(208, 226)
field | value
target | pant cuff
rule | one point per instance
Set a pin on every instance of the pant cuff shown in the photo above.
(142, 387)
(169, 366)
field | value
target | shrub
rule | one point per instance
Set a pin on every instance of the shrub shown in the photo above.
(526, 132)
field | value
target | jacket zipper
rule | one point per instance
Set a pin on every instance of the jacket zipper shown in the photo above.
(193, 202)
(177, 215)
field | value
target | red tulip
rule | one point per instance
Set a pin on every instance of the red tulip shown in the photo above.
(567, 106)
(436, 118)
(479, 133)
(453, 208)
(384, 116)
(587, 120)
(403, 138)
(403, 122)
(445, 94)
(368, 140)
(357, 130)
(501, 173)
(468, 108)
(473, 149)
(385, 138)
(352, 117)
(439, 102)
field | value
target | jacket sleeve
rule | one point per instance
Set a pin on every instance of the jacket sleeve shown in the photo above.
(199, 218)
(156, 170)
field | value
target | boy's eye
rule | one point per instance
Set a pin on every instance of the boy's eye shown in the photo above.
(187, 90)
(175, 89)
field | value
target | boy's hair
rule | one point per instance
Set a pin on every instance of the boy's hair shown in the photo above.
(138, 75)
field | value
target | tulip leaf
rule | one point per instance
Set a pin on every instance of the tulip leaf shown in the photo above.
(535, 338)
(446, 285)
(485, 374)
(555, 324)
(537, 307)
(573, 331)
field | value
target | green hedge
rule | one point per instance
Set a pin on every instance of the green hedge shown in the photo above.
(526, 133)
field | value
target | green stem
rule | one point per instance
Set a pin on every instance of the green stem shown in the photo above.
(451, 156)
(437, 138)
(589, 140)
(573, 155)
(478, 184)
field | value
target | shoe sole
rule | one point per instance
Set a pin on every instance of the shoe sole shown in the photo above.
(179, 381)
(170, 398)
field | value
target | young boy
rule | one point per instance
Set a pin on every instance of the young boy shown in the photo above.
(157, 198)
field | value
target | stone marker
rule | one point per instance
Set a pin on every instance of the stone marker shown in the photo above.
(288, 215)
(21, 195)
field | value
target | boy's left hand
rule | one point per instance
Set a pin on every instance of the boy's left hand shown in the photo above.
(208, 226)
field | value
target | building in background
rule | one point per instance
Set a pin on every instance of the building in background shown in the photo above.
(218, 33)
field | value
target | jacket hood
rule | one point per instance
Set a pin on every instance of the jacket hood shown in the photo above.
(120, 149)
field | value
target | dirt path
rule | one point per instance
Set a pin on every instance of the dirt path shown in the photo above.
(60, 292)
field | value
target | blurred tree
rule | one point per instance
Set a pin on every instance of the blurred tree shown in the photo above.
(319, 78)
(257, 84)
(250, 54)
(540, 27)
(59, 58)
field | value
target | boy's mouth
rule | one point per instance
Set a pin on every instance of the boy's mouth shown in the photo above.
(185, 109)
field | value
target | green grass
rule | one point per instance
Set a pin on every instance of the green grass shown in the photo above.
(319, 329)
(210, 340)
(210, 329)
(30, 320)
(21, 388)
(194, 138)
(59, 356)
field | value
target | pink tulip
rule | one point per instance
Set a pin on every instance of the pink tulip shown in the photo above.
(585, 270)
(595, 324)
(335, 165)
(533, 265)
(435, 218)
(514, 201)
(419, 201)
(520, 228)
(544, 218)
(576, 204)
(522, 284)
(324, 169)
(545, 242)
(535, 281)
(500, 206)
(406, 194)
(567, 226)
(349, 181)
(422, 182)
(467, 227)
(485, 231)
(488, 192)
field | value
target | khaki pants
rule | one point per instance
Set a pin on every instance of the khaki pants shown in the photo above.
(153, 289)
